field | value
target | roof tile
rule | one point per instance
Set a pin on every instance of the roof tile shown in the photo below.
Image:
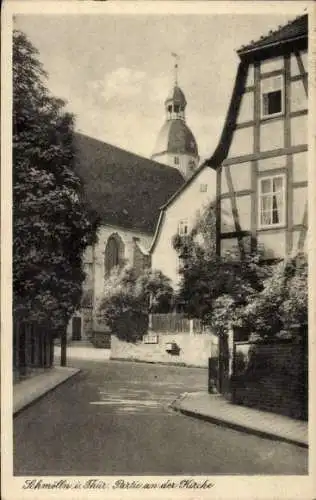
(293, 29)
(124, 189)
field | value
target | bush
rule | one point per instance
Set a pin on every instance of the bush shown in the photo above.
(282, 304)
(101, 340)
(128, 299)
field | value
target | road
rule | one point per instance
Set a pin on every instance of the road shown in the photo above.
(113, 419)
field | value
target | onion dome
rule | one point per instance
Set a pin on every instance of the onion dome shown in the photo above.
(175, 137)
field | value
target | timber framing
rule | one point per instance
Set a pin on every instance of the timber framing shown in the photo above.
(301, 148)
(293, 114)
(289, 156)
(240, 193)
(225, 165)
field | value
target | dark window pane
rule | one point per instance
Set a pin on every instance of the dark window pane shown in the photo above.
(274, 102)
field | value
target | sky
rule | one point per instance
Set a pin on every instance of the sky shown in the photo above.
(115, 71)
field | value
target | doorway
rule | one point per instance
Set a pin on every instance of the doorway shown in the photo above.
(76, 328)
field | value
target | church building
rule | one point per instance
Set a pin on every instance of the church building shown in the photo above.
(126, 192)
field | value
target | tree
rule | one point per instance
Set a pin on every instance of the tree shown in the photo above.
(212, 287)
(52, 226)
(128, 299)
(281, 305)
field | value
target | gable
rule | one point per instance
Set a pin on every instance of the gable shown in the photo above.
(193, 197)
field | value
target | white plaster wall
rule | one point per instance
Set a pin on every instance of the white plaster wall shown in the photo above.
(296, 238)
(273, 242)
(194, 349)
(271, 163)
(244, 214)
(300, 166)
(299, 201)
(246, 109)
(250, 76)
(164, 257)
(244, 211)
(272, 64)
(298, 96)
(240, 174)
(294, 66)
(299, 130)
(242, 142)
(271, 135)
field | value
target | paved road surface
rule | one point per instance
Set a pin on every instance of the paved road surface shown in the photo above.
(113, 418)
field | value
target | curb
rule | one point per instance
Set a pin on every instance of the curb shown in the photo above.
(163, 363)
(237, 427)
(41, 395)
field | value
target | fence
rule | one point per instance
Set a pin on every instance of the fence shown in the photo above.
(32, 348)
(175, 323)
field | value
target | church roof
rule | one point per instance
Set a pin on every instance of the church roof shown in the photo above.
(177, 96)
(175, 137)
(124, 189)
(292, 31)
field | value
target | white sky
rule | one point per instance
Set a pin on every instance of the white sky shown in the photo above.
(115, 71)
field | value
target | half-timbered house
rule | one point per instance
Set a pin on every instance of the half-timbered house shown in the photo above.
(261, 158)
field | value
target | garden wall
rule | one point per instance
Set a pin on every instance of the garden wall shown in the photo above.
(273, 377)
(194, 349)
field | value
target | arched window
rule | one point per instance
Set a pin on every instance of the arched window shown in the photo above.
(114, 253)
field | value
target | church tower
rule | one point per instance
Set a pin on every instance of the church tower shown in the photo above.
(176, 145)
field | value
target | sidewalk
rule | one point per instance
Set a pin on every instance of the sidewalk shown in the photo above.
(31, 389)
(215, 409)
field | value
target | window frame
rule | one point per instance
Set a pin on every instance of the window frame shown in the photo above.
(176, 160)
(265, 83)
(203, 188)
(183, 223)
(283, 217)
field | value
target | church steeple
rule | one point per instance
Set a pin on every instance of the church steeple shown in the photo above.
(176, 145)
(175, 103)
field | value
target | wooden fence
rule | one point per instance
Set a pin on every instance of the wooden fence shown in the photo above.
(32, 347)
(175, 323)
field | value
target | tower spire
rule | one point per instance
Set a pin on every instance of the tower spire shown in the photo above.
(176, 59)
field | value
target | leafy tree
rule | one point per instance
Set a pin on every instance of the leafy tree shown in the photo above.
(282, 304)
(51, 224)
(128, 299)
(213, 286)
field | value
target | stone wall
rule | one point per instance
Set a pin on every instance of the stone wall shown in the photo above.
(274, 378)
(194, 349)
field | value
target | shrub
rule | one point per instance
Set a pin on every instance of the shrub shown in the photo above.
(281, 304)
(128, 299)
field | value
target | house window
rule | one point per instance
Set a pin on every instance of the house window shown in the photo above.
(183, 227)
(203, 188)
(191, 165)
(176, 160)
(272, 96)
(272, 201)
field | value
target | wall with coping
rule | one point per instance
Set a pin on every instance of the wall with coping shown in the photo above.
(195, 349)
